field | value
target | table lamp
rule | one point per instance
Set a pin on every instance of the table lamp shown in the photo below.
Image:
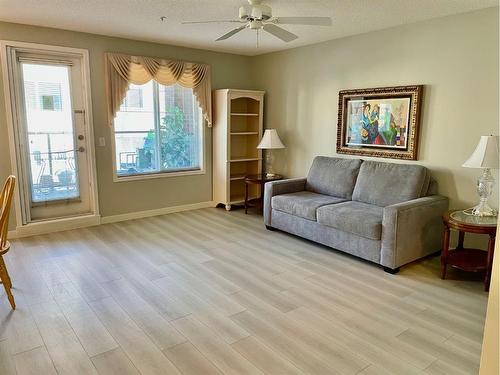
(485, 156)
(270, 141)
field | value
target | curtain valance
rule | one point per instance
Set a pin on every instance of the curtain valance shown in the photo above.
(125, 69)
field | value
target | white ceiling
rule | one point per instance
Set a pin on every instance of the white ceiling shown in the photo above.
(140, 19)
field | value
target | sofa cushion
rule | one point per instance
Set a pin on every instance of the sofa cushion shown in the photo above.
(303, 203)
(358, 218)
(384, 184)
(333, 176)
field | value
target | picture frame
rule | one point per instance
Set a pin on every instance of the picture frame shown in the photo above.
(380, 122)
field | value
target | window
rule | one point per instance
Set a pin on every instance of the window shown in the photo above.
(44, 96)
(133, 100)
(50, 96)
(158, 130)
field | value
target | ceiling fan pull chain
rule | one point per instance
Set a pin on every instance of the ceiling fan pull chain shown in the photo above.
(257, 44)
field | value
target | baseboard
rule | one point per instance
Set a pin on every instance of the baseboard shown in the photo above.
(91, 220)
(57, 225)
(155, 212)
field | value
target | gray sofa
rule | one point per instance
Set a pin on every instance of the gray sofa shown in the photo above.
(386, 213)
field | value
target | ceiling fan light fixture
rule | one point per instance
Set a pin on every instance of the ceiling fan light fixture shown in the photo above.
(258, 12)
(255, 25)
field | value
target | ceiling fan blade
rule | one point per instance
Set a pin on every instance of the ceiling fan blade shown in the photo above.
(216, 21)
(312, 21)
(279, 33)
(231, 33)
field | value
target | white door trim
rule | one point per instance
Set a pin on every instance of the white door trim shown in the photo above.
(11, 114)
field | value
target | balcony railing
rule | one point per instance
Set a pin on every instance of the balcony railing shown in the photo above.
(53, 173)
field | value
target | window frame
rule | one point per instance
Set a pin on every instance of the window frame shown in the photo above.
(162, 174)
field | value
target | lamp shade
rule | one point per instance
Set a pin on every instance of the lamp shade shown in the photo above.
(270, 140)
(486, 153)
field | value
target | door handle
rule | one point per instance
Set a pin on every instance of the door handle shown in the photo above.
(81, 149)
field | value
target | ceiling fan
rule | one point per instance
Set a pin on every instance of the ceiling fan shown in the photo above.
(258, 16)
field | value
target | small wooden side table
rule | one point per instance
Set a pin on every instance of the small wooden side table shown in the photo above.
(257, 179)
(470, 260)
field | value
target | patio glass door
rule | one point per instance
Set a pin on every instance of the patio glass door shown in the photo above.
(52, 137)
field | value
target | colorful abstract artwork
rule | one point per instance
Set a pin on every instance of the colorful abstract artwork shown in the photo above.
(379, 122)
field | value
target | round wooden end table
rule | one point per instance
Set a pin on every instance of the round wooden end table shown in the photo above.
(466, 259)
(258, 179)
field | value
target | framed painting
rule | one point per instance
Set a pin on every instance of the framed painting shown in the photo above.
(381, 122)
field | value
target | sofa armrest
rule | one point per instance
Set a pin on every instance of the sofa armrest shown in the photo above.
(412, 230)
(291, 185)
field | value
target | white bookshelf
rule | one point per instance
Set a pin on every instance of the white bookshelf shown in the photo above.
(237, 130)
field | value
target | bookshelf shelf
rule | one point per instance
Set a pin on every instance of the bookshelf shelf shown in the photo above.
(245, 114)
(244, 133)
(239, 176)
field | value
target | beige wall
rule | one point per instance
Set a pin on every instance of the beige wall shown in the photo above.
(228, 71)
(456, 58)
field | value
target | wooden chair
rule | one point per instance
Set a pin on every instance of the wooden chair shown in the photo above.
(5, 203)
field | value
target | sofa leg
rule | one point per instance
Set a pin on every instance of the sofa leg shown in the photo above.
(268, 227)
(392, 271)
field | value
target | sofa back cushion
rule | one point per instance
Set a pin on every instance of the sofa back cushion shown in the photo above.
(333, 176)
(384, 184)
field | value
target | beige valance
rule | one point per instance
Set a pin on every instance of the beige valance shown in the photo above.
(125, 69)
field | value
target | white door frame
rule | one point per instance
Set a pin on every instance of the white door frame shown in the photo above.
(12, 122)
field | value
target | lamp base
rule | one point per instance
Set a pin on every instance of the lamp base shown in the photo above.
(484, 209)
(485, 186)
(269, 170)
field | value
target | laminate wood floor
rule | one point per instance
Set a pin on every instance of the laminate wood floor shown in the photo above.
(214, 292)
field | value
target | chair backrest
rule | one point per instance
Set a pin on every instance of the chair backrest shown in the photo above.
(5, 203)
